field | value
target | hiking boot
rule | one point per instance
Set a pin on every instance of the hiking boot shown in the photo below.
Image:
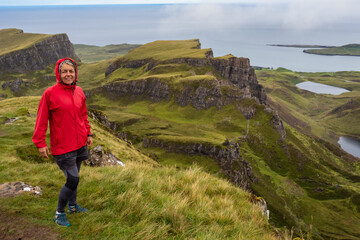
(77, 209)
(61, 219)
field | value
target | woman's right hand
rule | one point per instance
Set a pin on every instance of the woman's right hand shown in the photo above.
(44, 151)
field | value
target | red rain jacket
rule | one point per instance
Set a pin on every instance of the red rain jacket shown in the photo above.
(64, 106)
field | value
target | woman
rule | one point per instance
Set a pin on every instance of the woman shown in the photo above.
(64, 106)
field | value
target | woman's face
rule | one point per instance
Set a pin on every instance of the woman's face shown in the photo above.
(67, 74)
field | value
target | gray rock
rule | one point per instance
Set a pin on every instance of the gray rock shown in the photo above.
(100, 158)
(10, 120)
(12, 189)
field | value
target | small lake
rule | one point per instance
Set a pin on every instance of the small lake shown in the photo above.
(350, 145)
(321, 88)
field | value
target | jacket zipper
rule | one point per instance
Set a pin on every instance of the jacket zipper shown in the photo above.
(74, 110)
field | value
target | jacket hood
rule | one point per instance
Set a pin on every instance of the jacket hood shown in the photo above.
(57, 72)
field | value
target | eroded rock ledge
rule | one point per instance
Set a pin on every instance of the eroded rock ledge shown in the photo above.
(38, 56)
(237, 169)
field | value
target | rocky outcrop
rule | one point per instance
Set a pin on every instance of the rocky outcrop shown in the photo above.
(12, 189)
(228, 158)
(152, 88)
(39, 55)
(99, 157)
(239, 72)
(13, 85)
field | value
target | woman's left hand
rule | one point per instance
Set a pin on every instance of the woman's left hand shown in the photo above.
(89, 141)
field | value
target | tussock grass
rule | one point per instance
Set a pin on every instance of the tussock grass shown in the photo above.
(140, 201)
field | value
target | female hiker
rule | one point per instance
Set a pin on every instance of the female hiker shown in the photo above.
(64, 106)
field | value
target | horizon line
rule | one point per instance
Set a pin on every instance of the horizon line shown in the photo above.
(112, 4)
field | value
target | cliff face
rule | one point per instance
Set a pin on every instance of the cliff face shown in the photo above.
(39, 55)
(237, 72)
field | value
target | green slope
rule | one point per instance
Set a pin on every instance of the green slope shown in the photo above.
(143, 200)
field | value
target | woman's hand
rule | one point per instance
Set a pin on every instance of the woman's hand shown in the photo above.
(89, 141)
(44, 151)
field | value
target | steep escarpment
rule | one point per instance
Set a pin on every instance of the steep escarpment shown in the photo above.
(37, 54)
(234, 75)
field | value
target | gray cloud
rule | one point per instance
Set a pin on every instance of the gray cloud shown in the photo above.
(296, 15)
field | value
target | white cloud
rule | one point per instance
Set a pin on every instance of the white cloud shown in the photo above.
(296, 15)
(81, 2)
(219, 16)
(314, 14)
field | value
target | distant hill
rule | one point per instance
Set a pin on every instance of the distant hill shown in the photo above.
(91, 53)
(346, 50)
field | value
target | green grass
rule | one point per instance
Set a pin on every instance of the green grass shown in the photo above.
(143, 200)
(12, 40)
(166, 50)
(90, 53)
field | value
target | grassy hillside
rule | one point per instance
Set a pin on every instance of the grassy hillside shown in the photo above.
(346, 50)
(306, 182)
(310, 112)
(143, 200)
(15, 39)
(90, 53)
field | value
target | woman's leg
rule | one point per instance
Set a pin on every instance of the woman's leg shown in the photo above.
(72, 199)
(68, 190)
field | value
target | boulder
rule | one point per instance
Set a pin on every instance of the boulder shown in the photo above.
(12, 189)
(99, 157)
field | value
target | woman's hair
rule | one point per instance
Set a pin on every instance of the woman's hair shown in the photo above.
(67, 61)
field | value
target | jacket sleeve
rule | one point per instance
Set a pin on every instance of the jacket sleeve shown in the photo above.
(42, 120)
(84, 115)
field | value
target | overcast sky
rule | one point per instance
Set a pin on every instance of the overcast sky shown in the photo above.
(290, 14)
(85, 2)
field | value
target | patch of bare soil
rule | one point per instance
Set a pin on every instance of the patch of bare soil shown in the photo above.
(14, 227)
